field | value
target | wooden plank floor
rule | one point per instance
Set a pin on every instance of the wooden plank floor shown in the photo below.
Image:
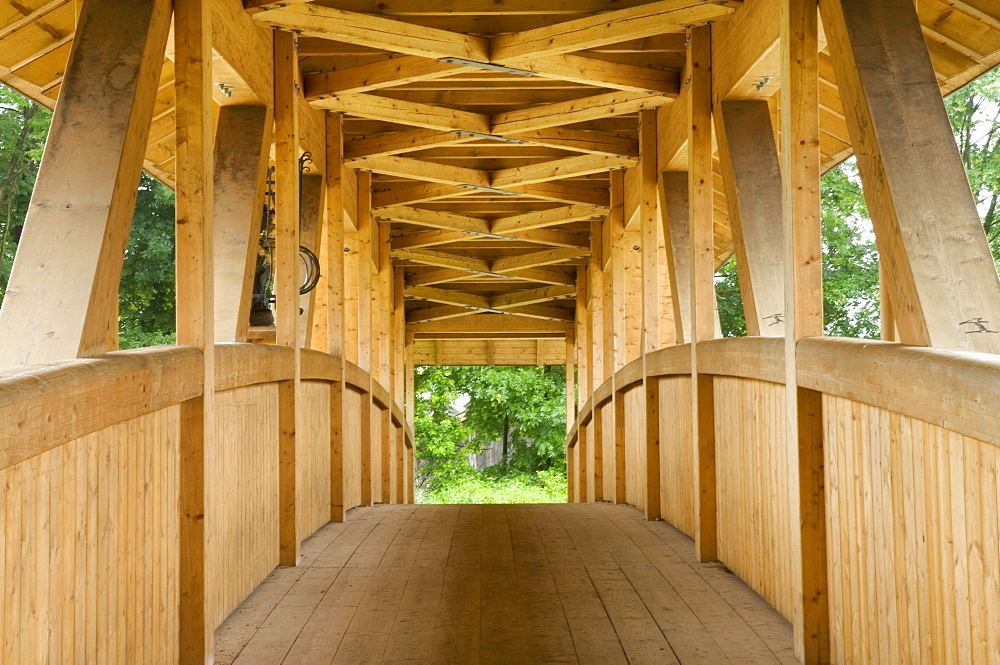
(511, 585)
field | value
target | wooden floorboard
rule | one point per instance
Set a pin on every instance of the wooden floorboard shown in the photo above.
(501, 585)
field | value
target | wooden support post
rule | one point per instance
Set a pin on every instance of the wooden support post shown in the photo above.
(570, 380)
(800, 167)
(702, 239)
(386, 301)
(195, 310)
(581, 457)
(596, 317)
(571, 472)
(410, 382)
(582, 336)
(364, 268)
(242, 143)
(887, 321)
(649, 222)
(365, 442)
(616, 220)
(651, 390)
(334, 277)
(62, 297)
(620, 480)
(750, 168)
(597, 427)
(287, 279)
(311, 214)
(398, 339)
(675, 215)
(944, 284)
(388, 430)
(607, 295)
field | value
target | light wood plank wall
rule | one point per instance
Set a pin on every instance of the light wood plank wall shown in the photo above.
(313, 485)
(676, 453)
(89, 547)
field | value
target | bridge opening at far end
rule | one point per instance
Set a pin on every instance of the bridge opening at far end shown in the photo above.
(492, 433)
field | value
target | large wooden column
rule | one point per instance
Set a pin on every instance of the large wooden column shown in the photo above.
(365, 265)
(242, 147)
(650, 246)
(311, 216)
(287, 280)
(195, 310)
(752, 175)
(702, 241)
(676, 221)
(800, 160)
(616, 222)
(571, 409)
(62, 297)
(943, 281)
(334, 282)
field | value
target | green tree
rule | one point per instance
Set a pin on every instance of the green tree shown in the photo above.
(459, 410)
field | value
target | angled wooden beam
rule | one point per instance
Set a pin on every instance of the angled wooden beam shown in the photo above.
(752, 174)
(542, 312)
(532, 296)
(541, 218)
(568, 167)
(407, 167)
(590, 142)
(430, 277)
(605, 28)
(62, 297)
(434, 218)
(562, 193)
(443, 260)
(487, 323)
(397, 143)
(417, 194)
(376, 76)
(406, 113)
(242, 145)
(448, 297)
(605, 74)
(428, 239)
(440, 313)
(374, 32)
(551, 237)
(542, 276)
(576, 110)
(537, 259)
(675, 217)
(945, 288)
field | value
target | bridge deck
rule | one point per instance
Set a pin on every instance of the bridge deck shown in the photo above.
(525, 584)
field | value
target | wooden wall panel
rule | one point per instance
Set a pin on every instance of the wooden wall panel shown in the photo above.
(89, 547)
(608, 454)
(376, 454)
(752, 466)
(676, 454)
(352, 448)
(914, 546)
(313, 464)
(635, 444)
(242, 496)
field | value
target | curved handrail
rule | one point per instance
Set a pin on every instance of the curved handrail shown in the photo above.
(45, 406)
(669, 361)
(957, 390)
(760, 358)
(318, 366)
(238, 365)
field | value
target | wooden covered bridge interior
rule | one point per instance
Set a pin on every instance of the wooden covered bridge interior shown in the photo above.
(500, 182)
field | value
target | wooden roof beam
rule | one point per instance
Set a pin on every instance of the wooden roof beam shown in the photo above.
(376, 76)
(537, 259)
(569, 167)
(561, 193)
(606, 28)
(573, 111)
(420, 170)
(373, 31)
(532, 296)
(605, 74)
(448, 297)
(434, 219)
(417, 194)
(398, 143)
(594, 143)
(542, 218)
(427, 239)
(415, 114)
(440, 313)
(444, 260)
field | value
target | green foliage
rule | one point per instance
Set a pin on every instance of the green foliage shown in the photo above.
(543, 487)
(146, 302)
(23, 128)
(460, 410)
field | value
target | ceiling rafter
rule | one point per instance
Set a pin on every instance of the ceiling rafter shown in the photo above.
(542, 218)
(375, 76)
(420, 170)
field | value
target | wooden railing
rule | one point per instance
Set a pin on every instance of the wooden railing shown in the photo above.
(89, 469)
(910, 466)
